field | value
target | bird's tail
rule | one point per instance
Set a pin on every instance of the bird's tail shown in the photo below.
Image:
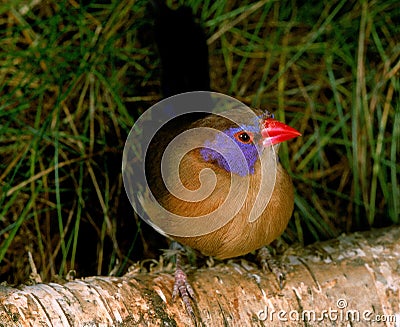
(183, 50)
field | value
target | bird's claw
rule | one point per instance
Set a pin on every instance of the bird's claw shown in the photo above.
(184, 289)
(268, 263)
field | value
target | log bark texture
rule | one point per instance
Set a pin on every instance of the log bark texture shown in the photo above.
(353, 280)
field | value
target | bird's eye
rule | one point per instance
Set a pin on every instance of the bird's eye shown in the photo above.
(244, 137)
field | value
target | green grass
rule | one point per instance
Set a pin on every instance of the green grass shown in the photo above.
(74, 76)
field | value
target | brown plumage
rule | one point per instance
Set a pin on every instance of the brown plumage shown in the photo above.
(238, 236)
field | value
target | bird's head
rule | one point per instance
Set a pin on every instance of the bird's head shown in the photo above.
(239, 146)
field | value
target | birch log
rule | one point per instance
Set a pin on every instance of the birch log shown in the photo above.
(353, 280)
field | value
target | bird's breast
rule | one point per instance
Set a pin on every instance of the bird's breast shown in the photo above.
(215, 187)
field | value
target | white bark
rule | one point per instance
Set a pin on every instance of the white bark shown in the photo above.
(352, 280)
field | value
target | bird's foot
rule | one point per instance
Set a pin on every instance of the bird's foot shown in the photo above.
(183, 288)
(268, 263)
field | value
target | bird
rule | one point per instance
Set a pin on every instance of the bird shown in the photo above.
(255, 141)
(220, 172)
(227, 173)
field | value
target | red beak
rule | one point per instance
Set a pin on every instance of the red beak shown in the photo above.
(275, 132)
